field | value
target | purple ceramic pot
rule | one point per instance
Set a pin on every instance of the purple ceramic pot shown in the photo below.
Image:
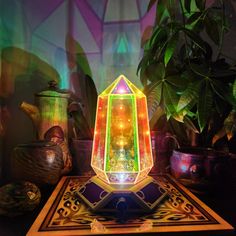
(199, 168)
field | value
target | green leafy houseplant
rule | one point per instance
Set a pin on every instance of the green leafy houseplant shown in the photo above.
(189, 83)
(83, 109)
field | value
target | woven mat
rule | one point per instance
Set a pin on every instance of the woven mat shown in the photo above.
(181, 211)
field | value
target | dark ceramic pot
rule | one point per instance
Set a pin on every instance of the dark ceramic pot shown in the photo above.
(81, 151)
(232, 169)
(40, 162)
(200, 169)
(163, 144)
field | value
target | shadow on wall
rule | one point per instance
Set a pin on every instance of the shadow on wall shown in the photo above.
(22, 75)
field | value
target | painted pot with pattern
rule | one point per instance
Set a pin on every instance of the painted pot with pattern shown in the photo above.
(40, 162)
(200, 169)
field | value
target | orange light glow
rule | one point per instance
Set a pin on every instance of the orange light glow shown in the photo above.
(122, 148)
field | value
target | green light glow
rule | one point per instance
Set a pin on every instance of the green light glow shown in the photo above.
(122, 44)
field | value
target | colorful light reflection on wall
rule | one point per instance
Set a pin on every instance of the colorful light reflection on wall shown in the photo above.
(122, 148)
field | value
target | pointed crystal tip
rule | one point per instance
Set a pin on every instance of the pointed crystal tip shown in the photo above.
(121, 87)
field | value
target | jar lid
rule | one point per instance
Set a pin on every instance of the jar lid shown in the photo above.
(53, 91)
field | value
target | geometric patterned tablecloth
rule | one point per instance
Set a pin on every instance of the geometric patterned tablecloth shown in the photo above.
(181, 211)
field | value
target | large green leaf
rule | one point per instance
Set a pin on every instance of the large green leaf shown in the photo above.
(177, 81)
(146, 36)
(234, 89)
(179, 116)
(147, 46)
(143, 64)
(223, 73)
(200, 4)
(162, 11)
(143, 77)
(229, 128)
(220, 134)
(191, 94)
(141, 69)
(222, 90)
(170, 99)
(195, 22)
(212, 29)
(158, 37)
(199, 69)
(187, 5)
(161, 70)
(179, 130)
(155, 72)
(154, 94)
(194, 18)
(204, 105)
(159, 112)
(171, 8)
(230, 124)
(196, 39)
(170, 48)
(190, 125)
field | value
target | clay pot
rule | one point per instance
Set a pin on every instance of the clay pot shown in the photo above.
(81, 151)
(200, 169)
(40, 162)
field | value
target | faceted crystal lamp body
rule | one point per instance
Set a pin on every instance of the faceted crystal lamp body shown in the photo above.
(122, 151)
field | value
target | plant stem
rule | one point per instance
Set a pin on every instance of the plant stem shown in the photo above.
(184, 23)
(222, 30)
(185, 39)
(182, 12)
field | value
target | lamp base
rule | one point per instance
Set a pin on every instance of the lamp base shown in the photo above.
(144, 196)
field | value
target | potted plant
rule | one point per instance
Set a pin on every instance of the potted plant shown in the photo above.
(189, 83)
(82, 107)
(82, 129)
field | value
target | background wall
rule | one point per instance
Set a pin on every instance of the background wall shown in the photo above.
(108, 32)
(43, 40)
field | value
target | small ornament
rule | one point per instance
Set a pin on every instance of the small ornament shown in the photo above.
(19, 198)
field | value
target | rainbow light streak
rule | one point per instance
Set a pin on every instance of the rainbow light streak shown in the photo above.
(122, 151)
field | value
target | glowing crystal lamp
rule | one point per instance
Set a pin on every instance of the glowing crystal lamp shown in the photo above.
(122, 154)
(122, 149)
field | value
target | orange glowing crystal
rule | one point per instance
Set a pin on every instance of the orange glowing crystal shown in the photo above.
(122, 151)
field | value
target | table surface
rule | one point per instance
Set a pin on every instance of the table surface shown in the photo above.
(200, 218)
(181, 211)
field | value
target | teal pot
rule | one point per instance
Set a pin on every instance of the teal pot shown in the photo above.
(40, 162)
(200, 169)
